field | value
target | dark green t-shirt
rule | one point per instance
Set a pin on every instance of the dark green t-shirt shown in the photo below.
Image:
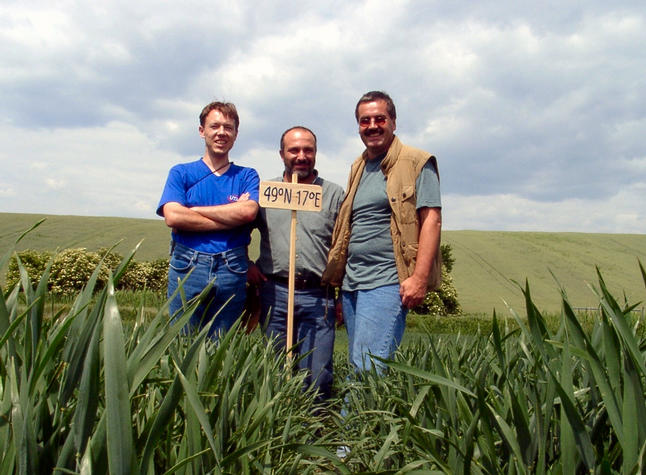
(371, 261)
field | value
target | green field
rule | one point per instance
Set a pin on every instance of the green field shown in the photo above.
(486, 262)
(63, 232)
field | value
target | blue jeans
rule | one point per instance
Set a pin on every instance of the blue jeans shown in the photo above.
(313, 328)
(227, 269)
(375, 320)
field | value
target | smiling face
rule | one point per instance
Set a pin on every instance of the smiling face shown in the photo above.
(376, 127)
(219, 133)
(299, 154)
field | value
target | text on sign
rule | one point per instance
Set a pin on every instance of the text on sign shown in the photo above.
(276, 194)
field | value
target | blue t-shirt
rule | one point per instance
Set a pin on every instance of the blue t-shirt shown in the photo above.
(193, 184)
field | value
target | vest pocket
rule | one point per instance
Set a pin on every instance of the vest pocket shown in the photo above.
(406, 202)
(409, 252)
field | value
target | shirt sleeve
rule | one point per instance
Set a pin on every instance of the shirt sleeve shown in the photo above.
(427, 187)
(174, 190)
(252, 184)
(339, 194)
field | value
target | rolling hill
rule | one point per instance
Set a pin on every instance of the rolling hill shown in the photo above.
(486, 262)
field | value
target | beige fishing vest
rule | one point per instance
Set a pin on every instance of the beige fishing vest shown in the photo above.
(401, 166)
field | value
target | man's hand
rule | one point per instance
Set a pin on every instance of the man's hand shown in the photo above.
(412, 291)
(230, 215)
(254, 275)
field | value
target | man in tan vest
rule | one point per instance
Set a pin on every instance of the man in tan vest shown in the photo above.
(385, 250)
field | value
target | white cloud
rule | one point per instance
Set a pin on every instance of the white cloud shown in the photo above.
(621, 213)
(103, 171)
(54, 184)
(536, 110)
(7, 190)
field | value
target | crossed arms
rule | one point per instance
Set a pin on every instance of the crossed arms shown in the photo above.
(210, 218)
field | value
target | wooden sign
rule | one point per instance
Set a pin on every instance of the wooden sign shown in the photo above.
(294, 196)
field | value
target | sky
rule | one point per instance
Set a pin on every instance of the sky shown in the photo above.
(536, 111)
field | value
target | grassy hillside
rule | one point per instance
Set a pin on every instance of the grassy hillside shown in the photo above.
(486, 261)
(64, 232)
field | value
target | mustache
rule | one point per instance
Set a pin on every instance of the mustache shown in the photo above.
(375, 131)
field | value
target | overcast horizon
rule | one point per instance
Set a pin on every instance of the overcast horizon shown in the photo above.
(536, 112)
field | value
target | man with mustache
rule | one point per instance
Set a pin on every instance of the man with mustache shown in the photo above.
(209, 205)
(385, 249)
(314, 309)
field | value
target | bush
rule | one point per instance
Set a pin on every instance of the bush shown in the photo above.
(72, 269)
(443, 301)
(34, 263)
(145, 275)
(447, 257)
(111, 260)
(138, 275)
(158, 278)
(135, 277)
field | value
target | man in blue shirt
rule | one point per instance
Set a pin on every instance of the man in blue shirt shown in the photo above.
(209, 205)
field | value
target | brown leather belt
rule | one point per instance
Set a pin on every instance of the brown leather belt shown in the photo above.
(300, 283)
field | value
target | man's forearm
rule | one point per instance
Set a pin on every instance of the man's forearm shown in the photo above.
(230, 215)
(413, 289)
(182, 218)
(429, 240)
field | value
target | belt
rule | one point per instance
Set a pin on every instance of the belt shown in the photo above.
(300, 283)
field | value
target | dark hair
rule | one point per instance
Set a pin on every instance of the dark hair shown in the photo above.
(296, 127)
(225, 108)
(373, 96)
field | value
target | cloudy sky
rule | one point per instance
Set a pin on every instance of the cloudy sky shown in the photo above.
(536, 112)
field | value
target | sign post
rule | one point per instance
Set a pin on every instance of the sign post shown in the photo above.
(295, 197)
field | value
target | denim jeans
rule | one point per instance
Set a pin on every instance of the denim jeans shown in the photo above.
(313, 328)
(375, 320)
(228, 271)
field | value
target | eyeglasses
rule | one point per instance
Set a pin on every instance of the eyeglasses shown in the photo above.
(365, 122)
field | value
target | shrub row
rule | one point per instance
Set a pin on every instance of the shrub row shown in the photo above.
(71, 269)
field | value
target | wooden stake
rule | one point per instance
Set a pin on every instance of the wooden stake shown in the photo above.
(292, 196)
(291, 281)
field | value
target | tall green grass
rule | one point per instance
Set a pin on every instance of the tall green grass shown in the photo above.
(522, 400)
(80, 392)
